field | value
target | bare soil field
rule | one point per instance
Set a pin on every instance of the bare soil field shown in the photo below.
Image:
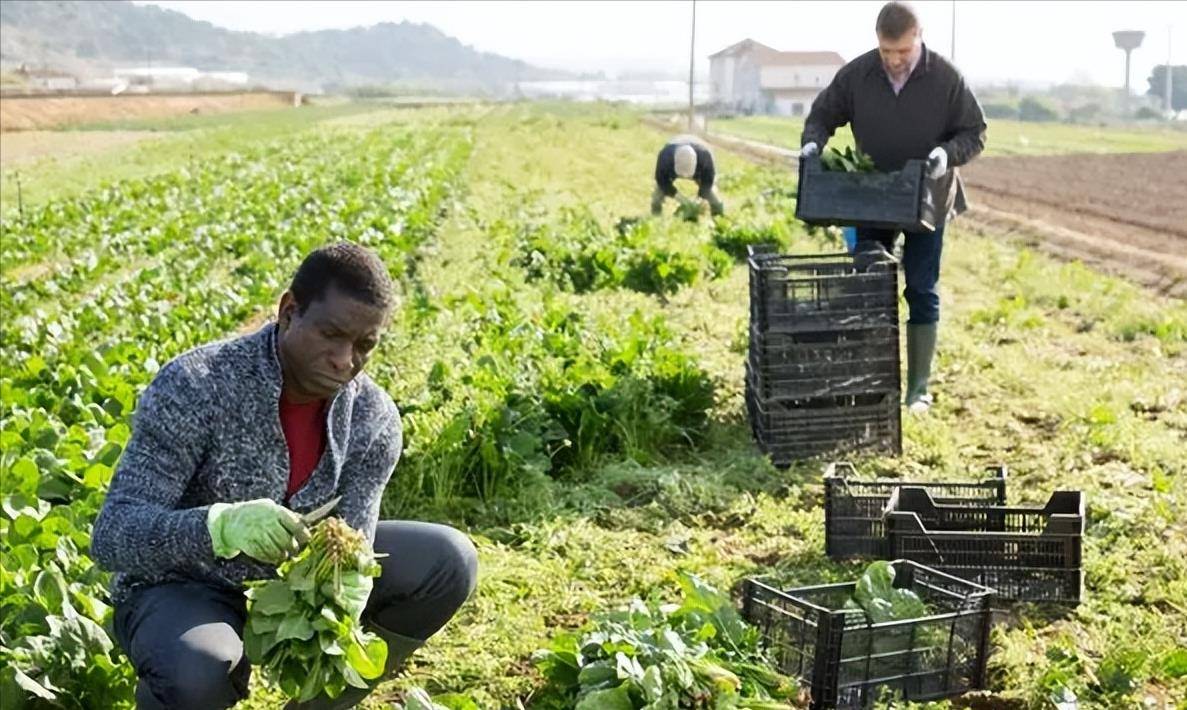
(1128, 212)
(25, 113)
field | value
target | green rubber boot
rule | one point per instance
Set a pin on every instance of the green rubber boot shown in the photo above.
(921, 348)
(399, 648)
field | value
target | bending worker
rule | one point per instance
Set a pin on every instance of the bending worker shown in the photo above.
(904, 101)
(689, 158)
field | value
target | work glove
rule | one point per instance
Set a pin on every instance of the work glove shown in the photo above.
(809, 149)
(937, 163)
(260, 528)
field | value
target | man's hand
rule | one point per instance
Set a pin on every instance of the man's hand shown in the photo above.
(937, 163)
(809, 149)
(258, 528)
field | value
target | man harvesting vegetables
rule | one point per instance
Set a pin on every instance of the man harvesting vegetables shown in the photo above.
(688, 158)
(232, 442)
(904, 101)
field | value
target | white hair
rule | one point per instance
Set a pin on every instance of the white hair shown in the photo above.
(686, 161)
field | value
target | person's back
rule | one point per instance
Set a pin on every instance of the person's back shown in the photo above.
(685, 156)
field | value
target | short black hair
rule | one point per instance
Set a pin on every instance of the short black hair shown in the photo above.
(895, 20)
(353, 269)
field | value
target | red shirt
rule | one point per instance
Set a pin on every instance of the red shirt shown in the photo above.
(305, 432)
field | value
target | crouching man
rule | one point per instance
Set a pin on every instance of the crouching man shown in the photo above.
(230, 443)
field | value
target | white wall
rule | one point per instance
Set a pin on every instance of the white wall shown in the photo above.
(797, 76)
(721, 77)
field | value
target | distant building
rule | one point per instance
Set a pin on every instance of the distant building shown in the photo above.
(46, 78)
(750, 77)
(181, 78)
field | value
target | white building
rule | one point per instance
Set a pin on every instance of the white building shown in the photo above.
(751, 77)
(181, 78)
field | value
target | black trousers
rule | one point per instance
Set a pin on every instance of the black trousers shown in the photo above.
(185, 639)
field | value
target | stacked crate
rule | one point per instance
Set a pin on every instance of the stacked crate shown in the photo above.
(822, 373)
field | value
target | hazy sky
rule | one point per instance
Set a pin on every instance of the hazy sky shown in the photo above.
(1036, 41)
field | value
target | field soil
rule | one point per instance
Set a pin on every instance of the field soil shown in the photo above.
(1127, 212)
(25, 113)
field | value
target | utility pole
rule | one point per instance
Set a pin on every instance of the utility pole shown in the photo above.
(692, 53)
(953, 53)
(1168, 93)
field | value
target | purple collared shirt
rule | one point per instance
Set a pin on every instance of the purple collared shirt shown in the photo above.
(898, 85)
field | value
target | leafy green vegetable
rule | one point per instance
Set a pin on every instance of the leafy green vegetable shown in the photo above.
(848, 161)
(303, 628)
(876, 595)
(576, 252)
(698, 654)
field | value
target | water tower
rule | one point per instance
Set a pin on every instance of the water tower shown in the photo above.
(1128, 40)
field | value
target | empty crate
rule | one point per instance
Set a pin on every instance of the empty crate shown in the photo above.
(1024, 554)
(820, 292)
(823, 370)
(854, 506)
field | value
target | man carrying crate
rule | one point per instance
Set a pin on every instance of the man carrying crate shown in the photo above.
(904, 101)
(689, 158)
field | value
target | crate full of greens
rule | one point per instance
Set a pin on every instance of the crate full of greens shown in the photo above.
(901, 632)
(845, 189)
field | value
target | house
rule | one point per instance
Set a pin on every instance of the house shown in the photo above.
(750, 77)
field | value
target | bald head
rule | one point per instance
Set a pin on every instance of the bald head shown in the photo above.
(686, 161)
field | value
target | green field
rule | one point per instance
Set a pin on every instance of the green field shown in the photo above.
(1003, 137)
(572, 386)
(181, 140)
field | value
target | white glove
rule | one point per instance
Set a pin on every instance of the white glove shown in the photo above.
(937, 163)
(809, 150)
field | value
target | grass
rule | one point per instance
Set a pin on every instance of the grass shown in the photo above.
(1054, 369)
(1071, 377)
(1003, 137)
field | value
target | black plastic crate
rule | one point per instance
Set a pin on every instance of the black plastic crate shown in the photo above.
(813, 364)
(820, 292)
(854, 507)
(847, 662)
(903, 199)
(1025, 554)
(797, 429)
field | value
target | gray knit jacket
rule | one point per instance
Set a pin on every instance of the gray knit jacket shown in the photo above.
(207, 430)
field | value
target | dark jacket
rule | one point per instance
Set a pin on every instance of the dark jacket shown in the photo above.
(665, 166)
(207, 430)
(935, 108)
